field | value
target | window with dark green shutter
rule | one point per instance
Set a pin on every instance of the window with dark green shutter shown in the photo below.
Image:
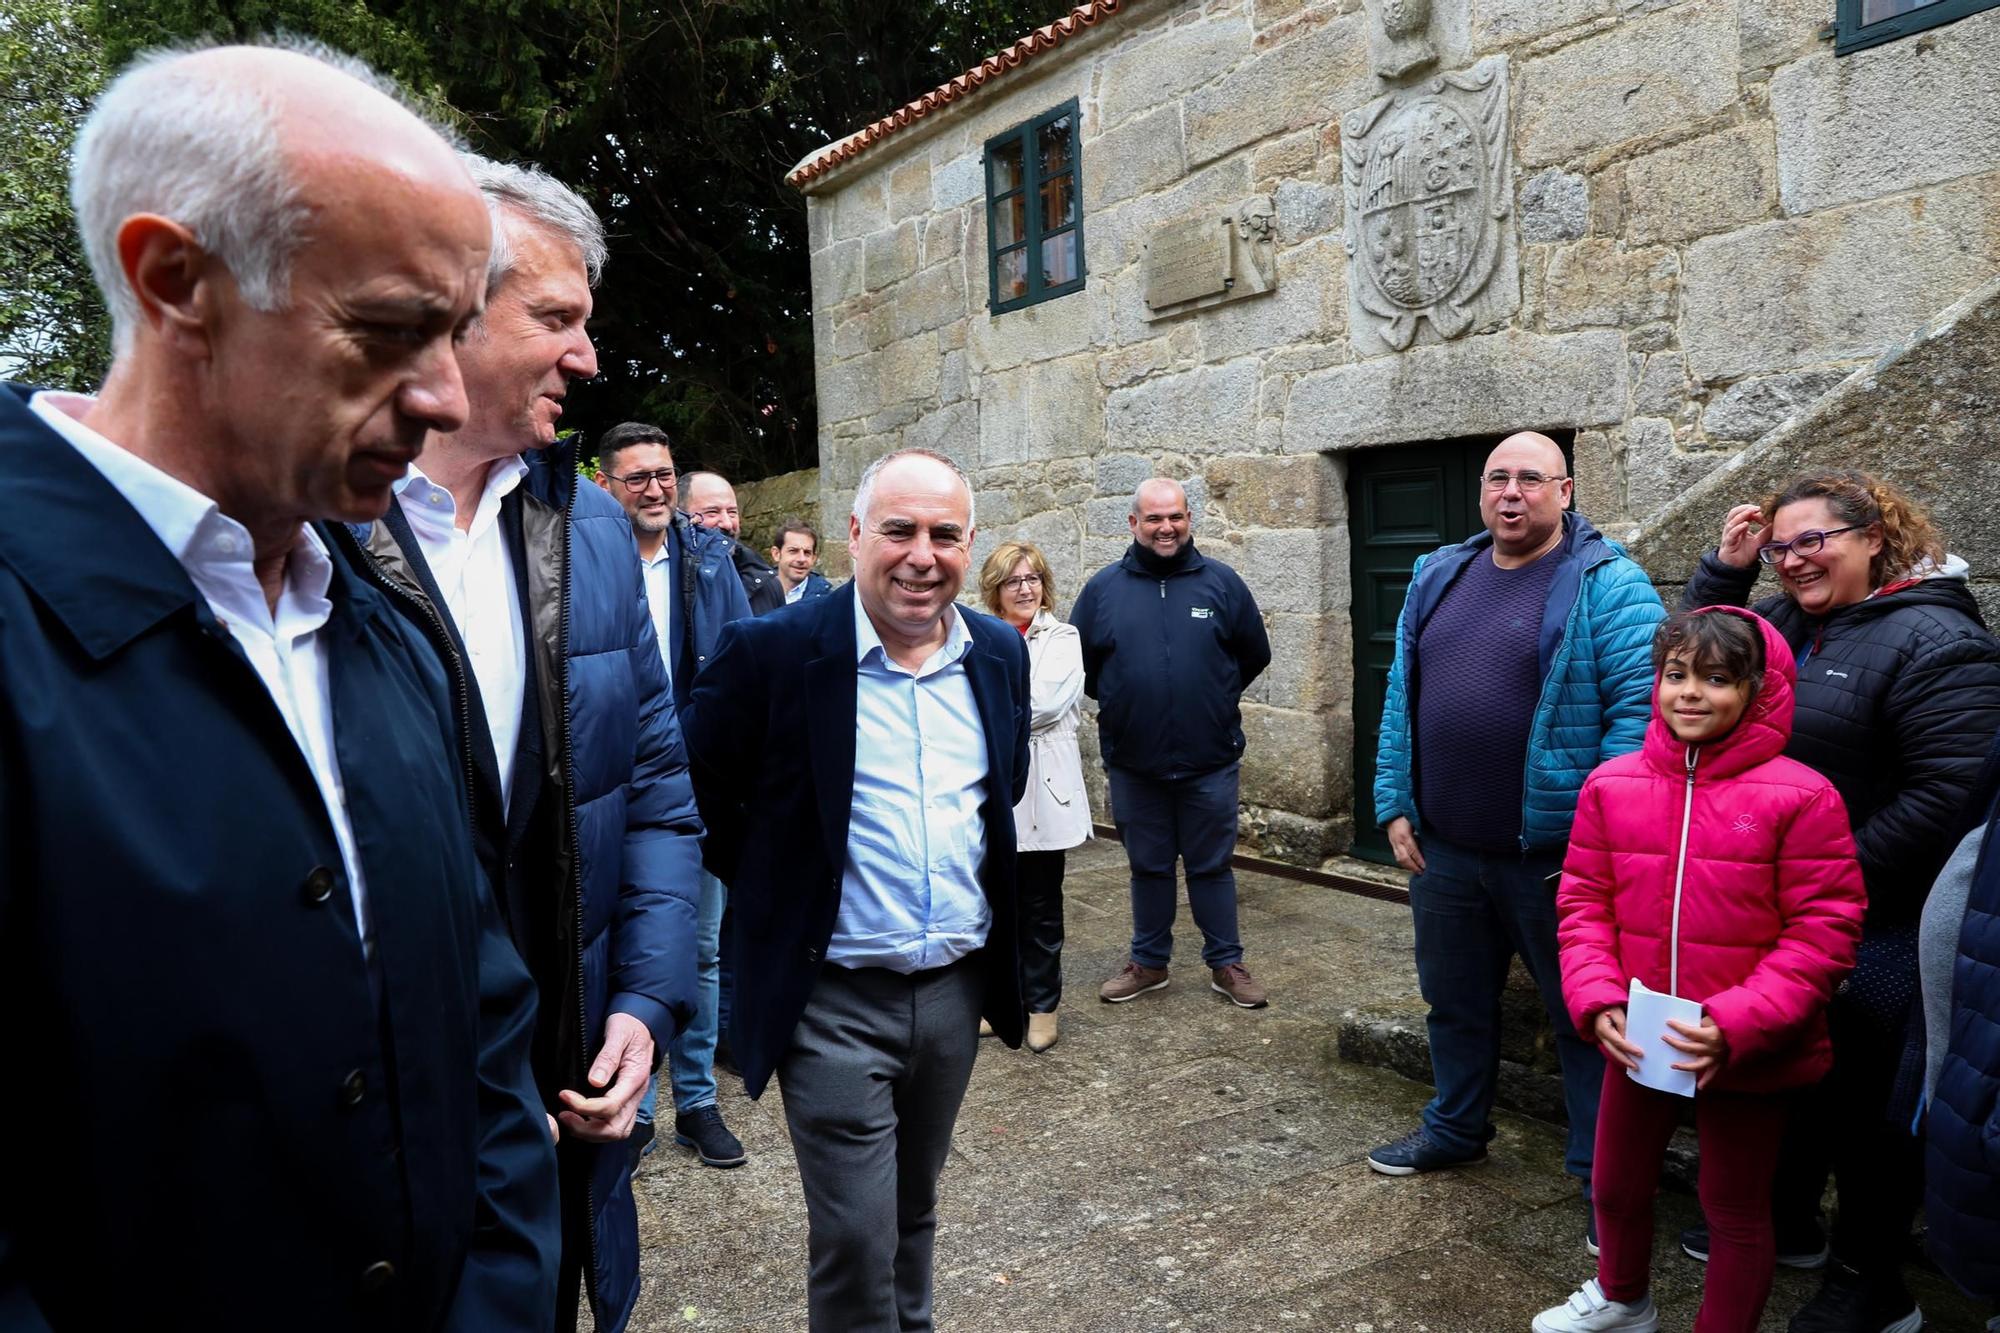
(1860, 24)
(1034, 212)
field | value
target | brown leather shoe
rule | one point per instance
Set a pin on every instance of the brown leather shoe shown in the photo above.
(1041, 1032)
(1131, 983)
(1242, 989)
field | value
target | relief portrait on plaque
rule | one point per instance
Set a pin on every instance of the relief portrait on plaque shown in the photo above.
(1428, 199)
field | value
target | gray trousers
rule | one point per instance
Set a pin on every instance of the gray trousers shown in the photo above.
(872, 1085)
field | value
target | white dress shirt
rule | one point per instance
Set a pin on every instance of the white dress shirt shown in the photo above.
(475, 572)
(796, 591)
(285, 648)
(659, 580)
(910, 896)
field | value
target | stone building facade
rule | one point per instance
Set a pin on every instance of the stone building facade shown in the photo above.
(1334, 247)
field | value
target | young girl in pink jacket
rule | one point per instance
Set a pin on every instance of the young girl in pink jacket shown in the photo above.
(1708, 866)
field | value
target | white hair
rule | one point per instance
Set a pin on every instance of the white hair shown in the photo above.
(864, 493)
(544, 201)
(191, 146)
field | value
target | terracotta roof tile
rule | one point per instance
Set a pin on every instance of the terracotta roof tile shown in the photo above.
(1055, 34)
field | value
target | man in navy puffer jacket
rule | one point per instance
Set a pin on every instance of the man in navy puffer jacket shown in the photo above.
(528, 585)
(1171, 639)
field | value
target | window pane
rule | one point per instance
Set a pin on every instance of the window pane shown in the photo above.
(1059, 201)
(1010, 221)
(1055, 146)
(1006, 168)
(1874, 11)
(1059, 259)
(1010, 278)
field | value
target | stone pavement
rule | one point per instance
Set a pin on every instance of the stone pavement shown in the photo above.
(1177, 1163)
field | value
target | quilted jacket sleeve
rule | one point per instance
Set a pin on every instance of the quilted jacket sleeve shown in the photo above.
(1944, 710)
(653, 939)
(1717, 584)
(1820, 899)
(1393, 795)
(1626, 612)
(726, 729)
(1593, 978)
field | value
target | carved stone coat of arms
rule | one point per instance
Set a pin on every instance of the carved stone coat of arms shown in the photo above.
(1429, 204)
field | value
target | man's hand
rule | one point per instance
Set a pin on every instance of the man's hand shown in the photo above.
(1705, 1043)
(624, 1062)
(1403, 842)
(1742, 534)
(1611, 1036)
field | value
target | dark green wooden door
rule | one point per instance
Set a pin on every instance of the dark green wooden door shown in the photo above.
(1401, 503)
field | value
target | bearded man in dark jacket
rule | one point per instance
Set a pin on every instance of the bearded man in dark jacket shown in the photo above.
(1171, 639)
(528, 585)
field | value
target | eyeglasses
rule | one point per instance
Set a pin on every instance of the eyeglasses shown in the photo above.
(1806, 543)
(639, 481)
(1527, 479)
(1021, 581)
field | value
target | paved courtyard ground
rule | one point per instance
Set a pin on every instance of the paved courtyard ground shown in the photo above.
(1177, 1163)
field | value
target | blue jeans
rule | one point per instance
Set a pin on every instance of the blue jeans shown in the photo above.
(1192, 820)
(1474, 911)
(691, 1056)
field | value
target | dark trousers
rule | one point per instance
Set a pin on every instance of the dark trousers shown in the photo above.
(1739, 1143)
(1474, 912)
(872, 1084)
(573, 1182)
(1844, 1125)
(1192, 820)
(1038, 880)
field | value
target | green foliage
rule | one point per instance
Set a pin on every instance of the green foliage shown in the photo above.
(54, 331)
(677, 119)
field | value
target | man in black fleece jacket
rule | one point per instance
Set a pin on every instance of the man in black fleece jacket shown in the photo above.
(1170, 641)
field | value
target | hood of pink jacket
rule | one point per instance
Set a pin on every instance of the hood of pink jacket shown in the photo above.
(1759, 735)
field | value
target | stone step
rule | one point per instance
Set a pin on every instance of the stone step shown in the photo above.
(1393, 1037)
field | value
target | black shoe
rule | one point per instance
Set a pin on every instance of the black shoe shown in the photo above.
(640, 1143)
(702, 1130)
(1800, 1246)
(1850, 1303)
(1417, 1151)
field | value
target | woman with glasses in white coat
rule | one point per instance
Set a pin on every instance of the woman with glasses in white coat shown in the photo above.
(1054, 816)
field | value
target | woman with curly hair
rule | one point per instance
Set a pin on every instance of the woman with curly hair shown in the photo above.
(1898, 702)
(1054, 816)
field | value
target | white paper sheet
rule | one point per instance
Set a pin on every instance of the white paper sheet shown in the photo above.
(1646, 1015)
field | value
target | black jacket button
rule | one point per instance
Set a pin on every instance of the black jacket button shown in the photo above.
(318, 886)
(353, 1088)
(812, 955)
(377, 1276)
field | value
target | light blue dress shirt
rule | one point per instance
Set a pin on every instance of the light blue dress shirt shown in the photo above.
(910, 897)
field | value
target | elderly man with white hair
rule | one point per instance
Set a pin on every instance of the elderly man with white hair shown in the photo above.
(241, 921)
(529, 586)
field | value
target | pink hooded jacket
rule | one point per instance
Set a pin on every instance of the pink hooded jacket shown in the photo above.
(1723, 872)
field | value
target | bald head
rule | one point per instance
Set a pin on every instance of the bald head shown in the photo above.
(248, 148)
(1524, 490)
(711, 501)
(1529, 448)
(1160, 520)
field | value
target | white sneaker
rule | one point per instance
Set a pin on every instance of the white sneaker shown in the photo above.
(1588, 1312)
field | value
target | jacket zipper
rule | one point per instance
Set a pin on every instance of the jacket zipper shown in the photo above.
(1680, 877)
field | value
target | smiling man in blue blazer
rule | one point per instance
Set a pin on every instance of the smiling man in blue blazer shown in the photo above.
(872, 883)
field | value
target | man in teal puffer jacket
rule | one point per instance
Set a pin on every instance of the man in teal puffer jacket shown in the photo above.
(1535, 643)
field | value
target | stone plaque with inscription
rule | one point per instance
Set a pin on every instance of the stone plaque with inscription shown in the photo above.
(1210, 257)
(1187, 260)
